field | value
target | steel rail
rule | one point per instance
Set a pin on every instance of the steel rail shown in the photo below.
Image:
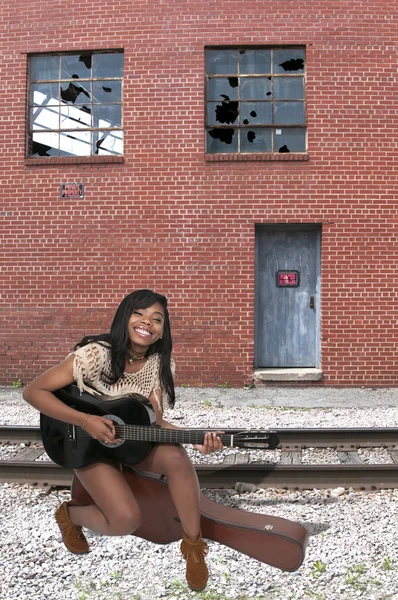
(300, 477)
(20, 433)
(290, 438)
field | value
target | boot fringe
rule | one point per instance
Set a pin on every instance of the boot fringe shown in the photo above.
(194, 551)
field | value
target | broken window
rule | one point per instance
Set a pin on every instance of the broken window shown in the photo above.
(255, 100)
(75, 104)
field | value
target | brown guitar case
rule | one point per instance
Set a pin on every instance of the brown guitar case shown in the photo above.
(272, 540)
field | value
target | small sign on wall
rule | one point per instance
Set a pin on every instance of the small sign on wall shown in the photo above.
(72, 190)
(287, 278)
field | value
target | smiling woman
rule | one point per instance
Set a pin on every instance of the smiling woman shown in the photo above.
(133, 358)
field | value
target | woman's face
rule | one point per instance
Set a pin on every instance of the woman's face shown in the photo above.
(146, 326)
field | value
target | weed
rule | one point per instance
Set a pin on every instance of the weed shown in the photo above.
(224, 385)
(312, 594)
(249, 386)
(185, 385)
(387, 564)
(17, 383)
(319, 568)
(116, 575)
(206, 402)
(353, 577)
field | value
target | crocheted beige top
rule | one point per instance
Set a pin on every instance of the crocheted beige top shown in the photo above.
(91, 360)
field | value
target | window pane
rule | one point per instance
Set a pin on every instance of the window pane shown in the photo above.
(221, 61)
(44, 93)
(107, 91)
(256, 140)
(222, 140)
(73, 117)
(222, 87)
(289, 140)
(45, 143)
(108, 142)
(76, 66)
(289, 88)
(255, 113)
(289, 113)
(289, 61)
(44, 68)
(46, 117)
(76, 93)
(75, 143)
(255, 61)
(108, 65)
(108, 115)
(255, 88)
(224, 113)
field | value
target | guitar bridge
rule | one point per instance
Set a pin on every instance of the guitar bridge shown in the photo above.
(72, 432)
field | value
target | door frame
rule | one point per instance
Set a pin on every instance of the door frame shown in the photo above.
(289, 227)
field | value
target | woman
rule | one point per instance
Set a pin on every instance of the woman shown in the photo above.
(135, 357)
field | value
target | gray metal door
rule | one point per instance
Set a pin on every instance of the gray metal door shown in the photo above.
(287, 296)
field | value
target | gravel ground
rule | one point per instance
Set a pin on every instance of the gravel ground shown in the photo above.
(353, 547)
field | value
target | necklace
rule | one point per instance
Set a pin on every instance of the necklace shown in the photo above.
(133, 357)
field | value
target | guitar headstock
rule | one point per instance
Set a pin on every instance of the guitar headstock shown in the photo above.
(256, 439)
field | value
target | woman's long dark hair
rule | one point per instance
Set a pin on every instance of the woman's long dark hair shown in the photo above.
(119, 340)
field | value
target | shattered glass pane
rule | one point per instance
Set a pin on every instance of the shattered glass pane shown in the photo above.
(44, 117)
(255, 88)
(75, 143)
(289, 113)
(289, 140)
(73, 117)
(220, 88)
(107, 91)
(289, 88)
(108, 115)
(45, 143)
(222, 61)
(108, 65)
(107, 142)
(255, 113)
(76, 93)
(222, 140)
(76, 66)
(44, 68)
(255, 140)
(289, 61)
(224, 113)
(44, 93)
(255, 61)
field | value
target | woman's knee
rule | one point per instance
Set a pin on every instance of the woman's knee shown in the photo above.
(124, 520)
(177, 461)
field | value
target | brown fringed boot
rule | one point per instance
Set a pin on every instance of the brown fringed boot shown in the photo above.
(194, 553)
(72, 534)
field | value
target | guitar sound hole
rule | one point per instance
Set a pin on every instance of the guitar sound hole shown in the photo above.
(117, 421)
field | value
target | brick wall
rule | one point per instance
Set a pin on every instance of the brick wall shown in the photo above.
(168, 219)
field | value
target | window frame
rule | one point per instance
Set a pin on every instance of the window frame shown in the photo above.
(272, 127)
(30, 105)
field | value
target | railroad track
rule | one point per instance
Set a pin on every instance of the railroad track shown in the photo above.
(27, 464)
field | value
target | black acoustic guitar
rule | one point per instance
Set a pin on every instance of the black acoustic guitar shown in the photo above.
(135, 424)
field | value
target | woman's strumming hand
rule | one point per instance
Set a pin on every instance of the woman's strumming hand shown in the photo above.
(100, 429)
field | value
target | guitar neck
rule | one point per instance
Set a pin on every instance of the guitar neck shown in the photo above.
(167, 436)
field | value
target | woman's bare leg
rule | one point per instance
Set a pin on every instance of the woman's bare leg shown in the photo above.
(173, 462)
(116, 511)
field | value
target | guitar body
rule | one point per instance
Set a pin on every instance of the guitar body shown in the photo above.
(75, 452)
(272, 540)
